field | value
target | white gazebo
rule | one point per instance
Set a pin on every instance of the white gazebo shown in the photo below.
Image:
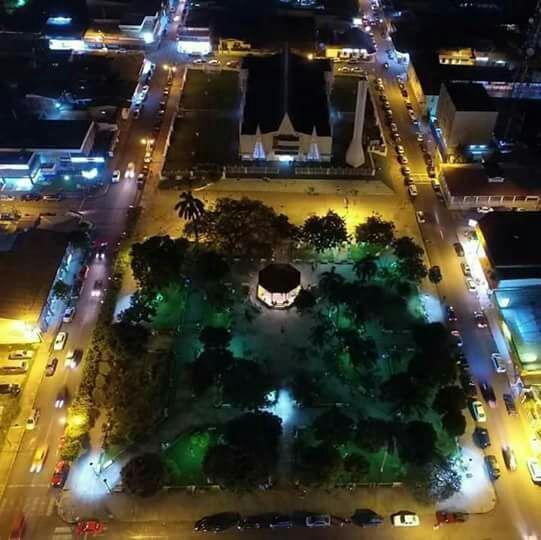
(278, 286)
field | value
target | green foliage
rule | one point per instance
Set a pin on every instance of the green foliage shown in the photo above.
(375, 230)
(366, 268)
(454, 423)
(305, 388)
(318, 464)
(242, 227)
(406, 248)
(61, 290)
(71, 448)
(405, 393)
(158, 262)
(325, 232)
(210, 266)
(417, 443)
(258, 433)
(434, 482)
(305, 301)
(209, 368)
(449, 398)
(357, 466)
(246, 385)
(143, 475)
(373, 434)
(333, 426)
(213, 337)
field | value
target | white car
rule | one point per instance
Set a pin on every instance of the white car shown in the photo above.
(535, 470)
(420, 216)
(405, 519)
(72, 358)
(400, 150)
(60, 341)
(470, 284)
(32, 420)
(130, 170)
(116, 176)
(478, 411)
(485, 209)
(498, 362)
(39, 458)
(69, 313)
(5, 197)
(412, 190)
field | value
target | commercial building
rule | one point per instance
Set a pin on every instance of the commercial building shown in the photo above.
(512, 264)
(352, 43)
(35, 150)
(30, 263)
(285, 112)
(465, 117)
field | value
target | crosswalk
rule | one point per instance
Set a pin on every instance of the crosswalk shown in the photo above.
(62, 533)
(39, 505)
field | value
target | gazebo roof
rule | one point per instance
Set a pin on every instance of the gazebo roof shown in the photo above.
(279, 278)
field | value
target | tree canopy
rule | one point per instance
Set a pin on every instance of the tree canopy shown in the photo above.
(318, 464)
(375, 230)
(246, 385)
(333, 426)
(325, 232)
(417, 442)
(434, 482)
(255, 432)
(143, 475)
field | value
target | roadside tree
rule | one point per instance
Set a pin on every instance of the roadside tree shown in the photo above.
(417, 443)
(61, 290)
(434, 482)
(325, 232)
(318, 464)
(143, 475)
(375, 230)
(246, 385)
(334, 427)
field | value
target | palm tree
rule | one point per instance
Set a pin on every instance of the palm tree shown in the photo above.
(366, 267)
(191, 209)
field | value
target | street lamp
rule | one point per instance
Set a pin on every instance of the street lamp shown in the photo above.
(107, 486)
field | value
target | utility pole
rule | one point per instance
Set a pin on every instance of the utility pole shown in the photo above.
(531, 45)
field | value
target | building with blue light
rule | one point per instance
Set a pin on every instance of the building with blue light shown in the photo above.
(34, 151)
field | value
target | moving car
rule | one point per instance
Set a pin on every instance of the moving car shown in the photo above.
(492, 466)
(480, 319)
(60, 474)
(100, 250)
(51, 366)
(412, 190)
(509, 458)
(470, 284)
(318, 520)
(73, 357)
(18, 527)
(130, 170)
(458, 338)
(61, 398)
(443, 516)
(39, 458)
(488, 393)
(69, 313)
(60, 341)
(364, 517)
(116, 176)
(53, 197)
(478, 411)
(510, 404)
(405, 518)
(498, 362)
(217, 522)
(96, 289)
(451, 315)
(89, 527)
(420, 216)
(534, 468)
(32, 419)
(481, 437)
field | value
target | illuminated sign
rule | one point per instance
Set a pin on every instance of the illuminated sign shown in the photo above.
(59, 21)
(97, 159)
(66, 45)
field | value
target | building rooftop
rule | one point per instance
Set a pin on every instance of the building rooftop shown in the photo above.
(283, 84)
(25, 285)
(475, 180)
(469, 96)
(354, 38)
(43, 134)
(510, 240)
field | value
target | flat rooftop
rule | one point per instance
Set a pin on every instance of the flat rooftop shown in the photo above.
(473, 180)
(469, 96)
(25, 285)
(43, 134)
(511, 242)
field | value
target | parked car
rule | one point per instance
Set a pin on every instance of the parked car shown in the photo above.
(488, 393)
(509, 458)
(11, 389)
(318, 520)
(257, 521)
(60, 474)
(498, 362)
(510, 404)
(60, 341)
(470, 285)
(466, 270)
(412, 190)
(89, 527)
(405, 518)
(364, 517)
(459, 250)
(443, 516)
(69, 313)
(492, 466)
(115, 178)
(462, 361)
(480, 319)
(485, 209)
(420, 216)
(281, 521)
(478, 411)
(534, 468)
(39, 458)
(458, 338)
(468, 385)
(217, 522)
(481, 437)
(31, 197)
(21, 354)
(51, 366)
(32, 419)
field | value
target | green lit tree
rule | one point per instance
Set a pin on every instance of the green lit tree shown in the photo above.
(61, 290)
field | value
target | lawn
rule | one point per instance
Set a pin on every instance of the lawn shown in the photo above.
(169, 308)
(216, 90)
(184, 458)
(202, 138)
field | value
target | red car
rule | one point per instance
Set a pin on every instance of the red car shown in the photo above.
(60, 474)
(451, 517)
(90, 527)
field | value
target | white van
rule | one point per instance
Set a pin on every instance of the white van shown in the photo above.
(14, 368)
(21, 354)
